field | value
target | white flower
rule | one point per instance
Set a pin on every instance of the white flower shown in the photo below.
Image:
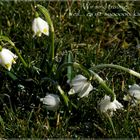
(134, 94)
(40, 26)
(134, 91)
(105, 105)
(81, 86)
(7, 58)
(52, 101)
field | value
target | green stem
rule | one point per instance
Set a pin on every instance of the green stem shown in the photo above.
(69, 69)
(111, 122)
(76, 65)
(48, 19)
(66, 99)
(103, 84)
(20, 57)
(5, 38)
(0, 48)
(117, 67)
(52, 48)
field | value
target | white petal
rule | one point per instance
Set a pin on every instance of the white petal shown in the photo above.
(86, 90)
(106, 104)
(9, 52)
(78, 87)
(79, 78)
(35, 27)
(7, 58)
(135, 91)
(43, 26)
(118, 104)
(78, 83)
(52, 101)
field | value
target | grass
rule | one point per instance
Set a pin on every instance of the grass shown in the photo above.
(92, 40)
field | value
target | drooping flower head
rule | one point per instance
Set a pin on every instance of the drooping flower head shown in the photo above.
(106, 104)
(134, 91)
(81, 86)
(40, 26)
(51, 101)
(134, 94)
(7, 58)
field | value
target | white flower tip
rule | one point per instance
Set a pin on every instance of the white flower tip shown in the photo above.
(39, 34)
(126, 98)
(45, 31)
(71, 92)
(9, 69)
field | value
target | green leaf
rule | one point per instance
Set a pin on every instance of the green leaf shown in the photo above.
(69, 68)
(2, 122)
(64, 96)
(5, 38)
(12, 75)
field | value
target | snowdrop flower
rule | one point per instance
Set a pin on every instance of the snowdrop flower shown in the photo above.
(40, 26)
(7, 58)
(51, 101)
(81, 86)
(134, 94)
(105, 105)
(134, 91)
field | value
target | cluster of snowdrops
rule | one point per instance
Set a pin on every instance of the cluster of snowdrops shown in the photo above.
(80, 85)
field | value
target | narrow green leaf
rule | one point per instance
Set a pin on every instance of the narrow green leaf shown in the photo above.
(12, 75)
(65, 98)
(69, 68)
(2, 122)
(5, 38)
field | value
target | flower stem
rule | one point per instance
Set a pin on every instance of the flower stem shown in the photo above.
(111, 122)
(76, 65)
(69, 68)
(20, 57)
(48, 19)
(83, 69)
(103, 84)
(66, 99)
(117, 67)
(0, 48)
